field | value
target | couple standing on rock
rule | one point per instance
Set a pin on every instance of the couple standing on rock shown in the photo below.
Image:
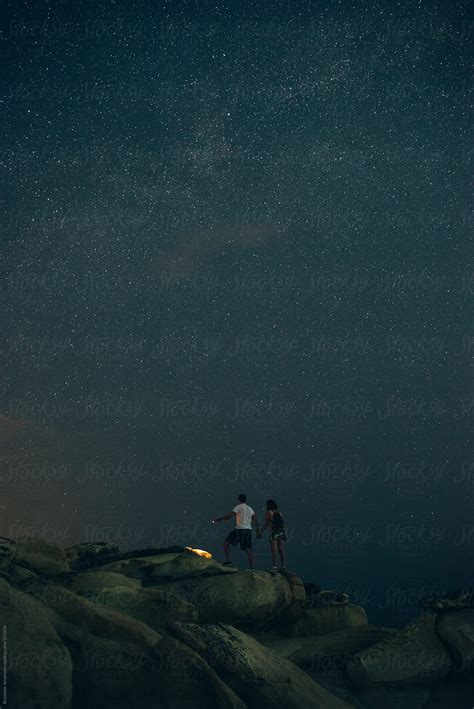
(245, 518)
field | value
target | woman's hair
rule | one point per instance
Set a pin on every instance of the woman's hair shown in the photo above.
(272, 505)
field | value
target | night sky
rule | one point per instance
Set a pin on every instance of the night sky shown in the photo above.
(234, 258)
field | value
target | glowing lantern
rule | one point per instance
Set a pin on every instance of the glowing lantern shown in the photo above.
(200, 552)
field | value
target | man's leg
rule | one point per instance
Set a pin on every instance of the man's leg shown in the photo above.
(227, 550)
(251, 558)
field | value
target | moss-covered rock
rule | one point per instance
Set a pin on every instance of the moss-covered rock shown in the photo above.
(7, 552)
(166, 567)
(152, 606)
(243, 598)
(325, 653)
(39, 667)
(40, 556)
(412, 654)
(456, 631)
(258, 676)
(90, 554)
(327, 619)
(119, 662)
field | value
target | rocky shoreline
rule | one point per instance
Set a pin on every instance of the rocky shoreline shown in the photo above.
(90, 626)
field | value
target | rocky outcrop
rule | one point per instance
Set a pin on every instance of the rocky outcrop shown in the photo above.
(321, 599)
(7, 552)
(327, 619)
(90, 554)
(168, 566)
(19, 575)
(90, 581)
(39, 667)
(243, 598)
(456, 631)
(164, 628)
(257, 675)
(294, 610)
(152, 606)
(328, 652)
(463, 598)
(42, 557)
(413, 654)
(120, 662)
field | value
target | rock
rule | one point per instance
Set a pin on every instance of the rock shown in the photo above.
(311, 589)
(90, 581)
(456, 630)
(96, 618)
(41, 557)
(19, 575)
(152, 606)
(7, 552)
(320, 621)
(188, 682)
(243, 598)
(329, 598)
(412, 654)
(39, 667)
(90, 554)
(121, 662)
(298, 596)
(258, 676)
(325, 653)
(463, 598)
(168, 567)
(188, 565)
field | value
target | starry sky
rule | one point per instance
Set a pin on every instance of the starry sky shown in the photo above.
(235, 259)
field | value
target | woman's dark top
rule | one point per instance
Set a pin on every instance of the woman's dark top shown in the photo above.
(277, 522)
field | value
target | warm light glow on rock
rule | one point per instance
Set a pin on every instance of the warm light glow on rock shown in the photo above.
(200, 552)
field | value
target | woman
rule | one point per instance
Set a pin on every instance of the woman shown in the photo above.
(278, 536)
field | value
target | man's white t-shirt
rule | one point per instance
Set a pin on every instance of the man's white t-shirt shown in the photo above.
(244, 516)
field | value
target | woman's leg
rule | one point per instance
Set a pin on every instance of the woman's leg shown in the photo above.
(281, 550)
(273, 546)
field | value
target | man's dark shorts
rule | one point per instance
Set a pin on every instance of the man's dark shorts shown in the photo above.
(244, 536)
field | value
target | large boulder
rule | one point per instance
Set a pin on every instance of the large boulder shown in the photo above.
(327, 619)
(7, 552)
(412, 654)
(42, 557)
(325, 653)
(166, 567)
(186, 680)
(327, 598)
(298, 596)
(20, 576)
(456, 630)
(152, 606)
(462, 598)
(120, 662)
(39, 667)
(258, 676)
(90, 554)
(243, 598)
(91, 581)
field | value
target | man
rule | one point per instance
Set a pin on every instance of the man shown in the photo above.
(244, 517)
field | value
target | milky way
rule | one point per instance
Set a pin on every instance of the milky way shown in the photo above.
(235, 259)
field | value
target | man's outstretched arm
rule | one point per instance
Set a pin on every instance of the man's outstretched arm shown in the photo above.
(255, 523)
(229, 515)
